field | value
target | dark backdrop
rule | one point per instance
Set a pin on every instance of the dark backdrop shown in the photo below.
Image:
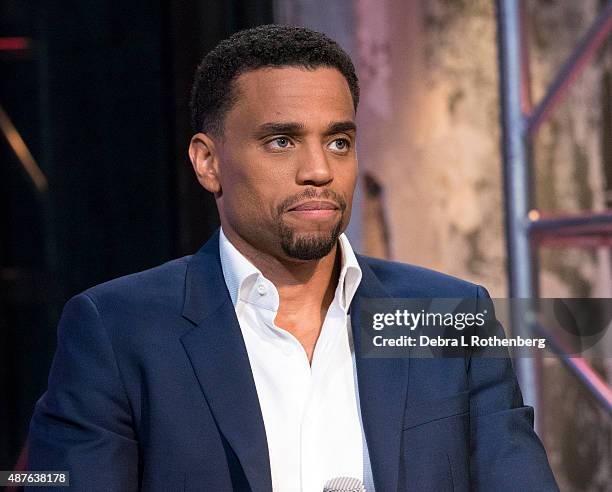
(100, 98)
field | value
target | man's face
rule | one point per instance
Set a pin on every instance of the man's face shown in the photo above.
(286, 163)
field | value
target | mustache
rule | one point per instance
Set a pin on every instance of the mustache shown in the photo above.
(312, 194)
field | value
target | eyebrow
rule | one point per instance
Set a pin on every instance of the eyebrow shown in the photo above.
(294, 128)
(341, 127)
(280, 127)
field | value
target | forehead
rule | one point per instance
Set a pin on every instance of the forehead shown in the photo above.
(293, 93)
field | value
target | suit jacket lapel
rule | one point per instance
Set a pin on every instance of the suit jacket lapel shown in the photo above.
(383, 386)
(219, 358)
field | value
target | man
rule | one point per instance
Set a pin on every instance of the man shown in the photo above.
(238, 368)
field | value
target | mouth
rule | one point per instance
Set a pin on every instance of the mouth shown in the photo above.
(314, 205)
(315, 209)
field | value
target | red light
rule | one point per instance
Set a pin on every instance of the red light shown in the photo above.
(14, 44)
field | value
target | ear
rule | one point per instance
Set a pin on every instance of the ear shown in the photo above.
(205, 162)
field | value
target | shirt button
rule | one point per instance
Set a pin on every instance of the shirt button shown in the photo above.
(261, 289)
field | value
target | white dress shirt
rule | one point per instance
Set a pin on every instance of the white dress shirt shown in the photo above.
(310, 411)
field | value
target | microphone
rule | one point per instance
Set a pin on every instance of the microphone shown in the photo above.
(344, 484)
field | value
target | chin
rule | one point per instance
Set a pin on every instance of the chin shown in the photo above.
(310, 245)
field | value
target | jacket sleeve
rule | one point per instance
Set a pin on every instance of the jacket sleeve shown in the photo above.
(506, 453)
(82, 424)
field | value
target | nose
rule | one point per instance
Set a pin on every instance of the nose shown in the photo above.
(314, 168)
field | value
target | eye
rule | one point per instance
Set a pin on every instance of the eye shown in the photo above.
(279, 143)
(341, 145)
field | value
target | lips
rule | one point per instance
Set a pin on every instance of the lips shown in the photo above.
(314, 205)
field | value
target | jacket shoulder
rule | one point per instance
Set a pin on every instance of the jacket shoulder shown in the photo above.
(406, 280)
(161, 284)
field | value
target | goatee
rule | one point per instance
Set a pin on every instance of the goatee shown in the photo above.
(308, 245)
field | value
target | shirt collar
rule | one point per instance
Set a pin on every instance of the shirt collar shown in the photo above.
(350, 273)
(242, 277)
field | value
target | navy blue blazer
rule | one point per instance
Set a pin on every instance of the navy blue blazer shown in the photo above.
(151, 389)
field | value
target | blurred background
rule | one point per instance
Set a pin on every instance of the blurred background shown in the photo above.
(95, 181)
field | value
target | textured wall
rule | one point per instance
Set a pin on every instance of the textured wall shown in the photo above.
(430, 133)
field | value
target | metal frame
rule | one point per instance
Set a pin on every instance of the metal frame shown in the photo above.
(517, 182)
(526, 229)
(579, 366)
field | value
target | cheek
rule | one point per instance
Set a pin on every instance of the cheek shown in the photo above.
(248, 192)
(249, 167)
(347, 179)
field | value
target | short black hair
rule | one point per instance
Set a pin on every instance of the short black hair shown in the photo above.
(213, 92)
